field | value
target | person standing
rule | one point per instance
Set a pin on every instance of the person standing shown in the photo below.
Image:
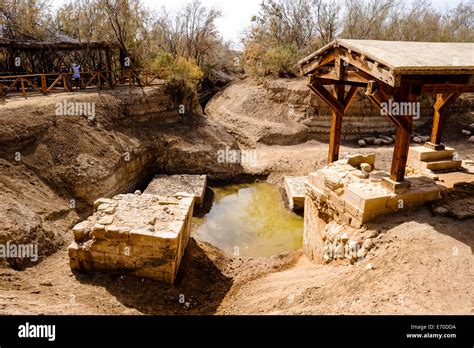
(76, 76)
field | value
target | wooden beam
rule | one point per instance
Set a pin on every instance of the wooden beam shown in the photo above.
(439, 118)
(349, 78)
(310, 66)
(379, 72)
(326, 82)
(448, 88)
(336, 115)
(325, 95)
(378, 96)
(349, 97)
(336, 127)
(402, 140)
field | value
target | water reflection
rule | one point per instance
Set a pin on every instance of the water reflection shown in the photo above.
(250, 220)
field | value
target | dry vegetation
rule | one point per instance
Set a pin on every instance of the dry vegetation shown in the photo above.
(287, 30)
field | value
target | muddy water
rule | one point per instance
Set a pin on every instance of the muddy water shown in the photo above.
(250, 220)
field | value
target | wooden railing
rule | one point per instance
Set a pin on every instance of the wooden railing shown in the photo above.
(52, 82)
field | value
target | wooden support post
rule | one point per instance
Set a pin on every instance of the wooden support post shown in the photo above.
(336, 126)
(336, 115)
(338, 104)
(22, 82)
(44, 85)
(404, 126)
(402, 141)
(439, 119)
(109, 68)
(65, 82)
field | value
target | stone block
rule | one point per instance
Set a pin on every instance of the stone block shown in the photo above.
(172, 185)
(98, 231)
(119, 233)
(144, 234)
(423, 153)
(395, 186)
(356, 160)
(365, 201)
(295, 191)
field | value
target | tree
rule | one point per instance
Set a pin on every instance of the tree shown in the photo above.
(25, 19)
(191, 33)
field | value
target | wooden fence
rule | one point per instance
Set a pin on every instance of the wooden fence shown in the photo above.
(57, 82)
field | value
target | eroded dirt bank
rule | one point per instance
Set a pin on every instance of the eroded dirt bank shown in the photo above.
(53, 166)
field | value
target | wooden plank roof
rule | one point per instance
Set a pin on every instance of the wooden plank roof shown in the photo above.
(57, 45)
(406, 57)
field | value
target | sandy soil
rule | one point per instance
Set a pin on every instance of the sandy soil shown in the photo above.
(422, 263)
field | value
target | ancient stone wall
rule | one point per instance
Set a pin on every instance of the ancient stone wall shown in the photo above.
(341, 197)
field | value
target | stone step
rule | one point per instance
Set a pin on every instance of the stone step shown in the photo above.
(295, 191)
(446, 165)
(425, 154)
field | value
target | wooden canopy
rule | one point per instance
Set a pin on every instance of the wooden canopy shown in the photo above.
(396, 70)
(51, 56)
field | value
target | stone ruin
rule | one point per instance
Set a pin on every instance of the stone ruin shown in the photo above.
(139, 234)
(295, 191)
(346, 194)
(166, 185)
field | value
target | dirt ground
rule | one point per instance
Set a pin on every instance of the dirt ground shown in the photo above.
(422, 263)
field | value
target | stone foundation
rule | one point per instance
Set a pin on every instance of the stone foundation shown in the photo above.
(140, 234)
(349, 193)
(169, 185)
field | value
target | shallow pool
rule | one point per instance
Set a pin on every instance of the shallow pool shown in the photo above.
(250, 220)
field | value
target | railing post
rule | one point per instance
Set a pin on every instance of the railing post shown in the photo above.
(23, 92)
(65, 82)
(44, 87)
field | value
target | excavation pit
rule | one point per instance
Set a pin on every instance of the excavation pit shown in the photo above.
(140, 234)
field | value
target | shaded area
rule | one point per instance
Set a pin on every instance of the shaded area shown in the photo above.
(199, 288)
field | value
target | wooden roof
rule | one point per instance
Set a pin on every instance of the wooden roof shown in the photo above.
(407, 57)
(396, 70)
(57, 45)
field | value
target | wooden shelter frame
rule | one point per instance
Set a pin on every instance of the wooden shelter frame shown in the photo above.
(348, 65)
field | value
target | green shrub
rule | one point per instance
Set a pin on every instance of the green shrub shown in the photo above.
(182, 76)
(280, 61)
